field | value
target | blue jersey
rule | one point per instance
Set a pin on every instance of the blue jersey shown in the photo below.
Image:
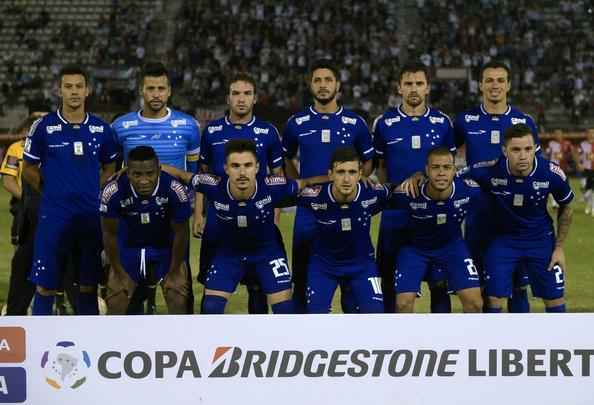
(219, 132)
(483, 133)
(174, 137)
(246, 225)
(520, 203)
(342, 230)
(146, 222)
(317, 135)
(404, 141)
(433, 224)
(71, 156)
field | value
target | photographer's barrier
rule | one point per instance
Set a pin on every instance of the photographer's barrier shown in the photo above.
(285, 360)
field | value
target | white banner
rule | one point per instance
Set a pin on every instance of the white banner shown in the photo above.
(315, 359)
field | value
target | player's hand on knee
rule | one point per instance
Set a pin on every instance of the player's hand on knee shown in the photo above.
(198, 226)
(558, 257)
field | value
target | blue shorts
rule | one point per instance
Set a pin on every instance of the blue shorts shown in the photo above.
(268, 266)
(146, 264)
(503, 257)
(324, 278)
(56, 239)
(453, 260)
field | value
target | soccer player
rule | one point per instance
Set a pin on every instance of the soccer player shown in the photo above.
(341, 251)
(173, 135)
(240, 123)
(403, 136)
(586, 152)
(244, 204)
(435, 235)
(67, 155)
(481, 130)
(520, 183)
(313, 135)
(151, 210)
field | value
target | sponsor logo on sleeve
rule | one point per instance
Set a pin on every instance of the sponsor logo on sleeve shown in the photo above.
(275, 180)
(179, 190)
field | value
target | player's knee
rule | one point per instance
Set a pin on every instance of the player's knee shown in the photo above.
(405, 303)
(213, 304)
(474, 305)
(176, 301)
(46, 292)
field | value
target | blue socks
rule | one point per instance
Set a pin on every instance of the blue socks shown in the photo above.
(557, 309)
(518, 303)
(257, 303)
(440, 300)
(285, 307)
(213, 304)
(87, 303)
(43, 304)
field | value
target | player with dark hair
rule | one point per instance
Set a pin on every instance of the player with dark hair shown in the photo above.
(313, 135)
(434, 237)
(244, 202)
(173, 135)
(403, 136)
(149, 209)
(481, 130)
(67, 155)
(239, 123)
(341, 250)
(520, 183)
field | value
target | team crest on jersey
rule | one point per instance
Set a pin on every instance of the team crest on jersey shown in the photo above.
(178, 123)
(469, 117)
(390, 121)
(436, 120)
(259, 131)
(275, 180)
(471, 183)
(53, 128)
(558, 171)
(179, 190)
(303, 119)
(263, 202)
(128, 124)
(458, 203)
(537, 185)
(96, 128)
(207, 179)
(313, 191)
(347, 120)
(109, 191)
(515, 121)
(215, 128)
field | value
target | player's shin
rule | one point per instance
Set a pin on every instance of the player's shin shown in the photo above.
(518, 302)
(87, 301)
(43, 303)
(281, 302)
(440, 299)
(213, 304)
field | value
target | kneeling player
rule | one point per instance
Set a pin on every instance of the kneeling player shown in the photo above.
(244, 204)
(144, 221)
(435, 219)
(342, 250)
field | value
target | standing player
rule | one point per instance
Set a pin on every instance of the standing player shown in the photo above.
(67, 155)
(403, 136)
(520, 184)
(244, 204)
(435, 238)
(173, 135)
(240, 123)
(151, 210)
(341, 251)
(586, 151)
(313, 135)
(481, 130)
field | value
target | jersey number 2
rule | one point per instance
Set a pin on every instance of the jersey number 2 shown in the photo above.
(279, 267)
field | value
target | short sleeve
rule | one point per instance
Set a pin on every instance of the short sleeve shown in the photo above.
(109, 147)
(363, 142)
(179, 202)
(205, 183)
(379, 141)
(110, 202)
(10, 164)
(275, 150)
(35, 146)
(290, 142)
(560, 188)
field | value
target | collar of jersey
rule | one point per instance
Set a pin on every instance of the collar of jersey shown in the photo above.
(154, 120)
(154, 191)
(69, 123)
(249, 124)
(404, 115)
(486, 113)
(531, 173)
(337, 112)
(332, 197)
(231, 196)
(424, 194)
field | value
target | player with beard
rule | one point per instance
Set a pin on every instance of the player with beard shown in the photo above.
(312, 136)
(403, 137)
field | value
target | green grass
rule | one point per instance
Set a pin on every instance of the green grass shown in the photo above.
(579, 250)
